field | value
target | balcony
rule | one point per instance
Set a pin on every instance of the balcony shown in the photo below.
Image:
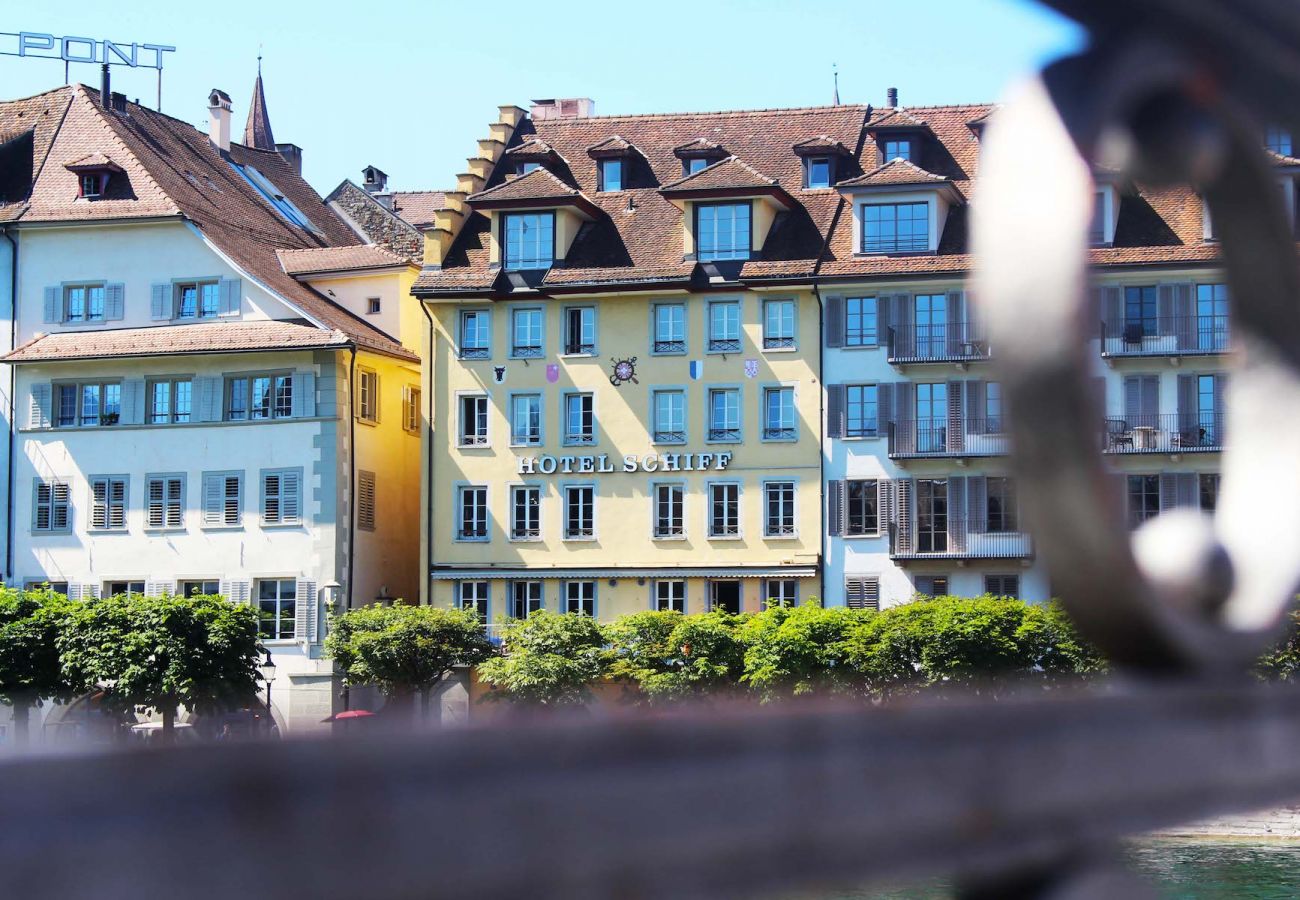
(964, 538)
(929, 438)
(1173, 433)
(948, 342)
(1166, 336)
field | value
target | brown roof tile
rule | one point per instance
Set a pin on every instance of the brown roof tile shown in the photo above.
(338, 259)
(418, 207)
(538, 184)
(93, 161)
(896, 171)
(894, 118)
(165, 340)
(725, 173)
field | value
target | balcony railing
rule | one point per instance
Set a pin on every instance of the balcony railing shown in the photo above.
(526, 351)
(944, 537)
(947, 342)
(1172, 433)
(935, 438)
(1166, 336)
(670, 346)
(475, 353)
(670, 437)
(778, 343)
(724, 345)
(724, 434)
(574, 348)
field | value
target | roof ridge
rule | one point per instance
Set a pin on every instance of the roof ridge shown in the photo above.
(576, 120)
(518, 178)
(117, 139)
(54, 90)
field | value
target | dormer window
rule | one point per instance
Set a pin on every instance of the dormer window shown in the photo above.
(898, 148)
(527, 166)
(611, 174)
(92, 185)
(895, 227)
(722, 231)
(528, 240)
(817, 172)
(694, 164)
(93, 172)
(1278, 140)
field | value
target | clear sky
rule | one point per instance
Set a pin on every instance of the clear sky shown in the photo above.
(410, 86)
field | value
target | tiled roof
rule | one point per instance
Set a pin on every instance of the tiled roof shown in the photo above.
(532, 148)
(698, 147)
(895, 118)
(417, 207)
(820, 144)
(896, 171)
(725, 173)
(612, 144)
(164, 340)
(539, 184)
(93, 161)
(338, 259)
(29, 126)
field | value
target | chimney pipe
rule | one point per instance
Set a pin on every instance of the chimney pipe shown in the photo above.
(105, 88)
(219, 120)
(292, 154)
(891, 96)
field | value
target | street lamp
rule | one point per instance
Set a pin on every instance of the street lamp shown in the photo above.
(267, 669)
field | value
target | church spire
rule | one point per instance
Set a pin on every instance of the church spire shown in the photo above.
(257, 131)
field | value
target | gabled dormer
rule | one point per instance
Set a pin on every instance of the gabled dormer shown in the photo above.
(1105, 206)
(823, 161)
(898, 134)
(616, 161)
(728, 209)
(534, 219)
(94, 173)
(899, 208)
(698, 155)
(532, 154)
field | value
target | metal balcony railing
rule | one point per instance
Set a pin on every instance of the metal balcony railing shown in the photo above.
(724, 345)
(576, 348)
(670, 346)
(945, 537)
(778, 343)
(526, 351)
(724, 434)
(1171, 433)
(924, 438)
(670, 437)
(475, 353)
(947, 342)
(1166, 336)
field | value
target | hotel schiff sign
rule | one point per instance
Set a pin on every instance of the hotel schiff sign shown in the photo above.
(601, 464)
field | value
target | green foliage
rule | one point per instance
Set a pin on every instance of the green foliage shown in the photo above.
(1282, 661)
(30, 623)
(549, 660)
(798, 650)
(669, 656)
(403, 649)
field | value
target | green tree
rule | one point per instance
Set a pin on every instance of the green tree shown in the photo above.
(798, 650)
(161, 653)
(674, 657)
(549, 659)
(404, 649)
(30, 668)
(1282, 661)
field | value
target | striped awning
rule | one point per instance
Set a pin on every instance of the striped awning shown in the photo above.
(678, 572)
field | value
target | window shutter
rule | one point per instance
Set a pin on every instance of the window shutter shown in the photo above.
(304, 394)
(835, 508)
(99, 503)
(1112, 309)
(1168, 491)
(236, 591)
(271, 498)
(862, 593)
(208, 391)
(1188, 411)
(89, 591)
(60, 510)
(156, 588)
(977, 493)
(884, 408)
(956, 423)
(1165, 309)
(366, 500)
(834, 321)
(957, 514)
(155, 503)
(290, 498)
(834, 410)
(74, 591)
(305, 612)
(114, 301)
(884, 505)
(976, 410)
(1185, 315)
(160, 296)
(904, 415)
(117, 503)
(955, 321)
(903, 516)
(52, 311)
(133, 401)
(39, 412)
(230, 296)
(882, 321)
(1188, 490)
(1151, 398)
(213, 499)
(1220, 411)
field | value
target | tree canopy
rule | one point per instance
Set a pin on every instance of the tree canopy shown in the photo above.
(30, 667)
(549, 659)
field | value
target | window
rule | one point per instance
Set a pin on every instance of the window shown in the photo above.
(931, 322)
(1143, 498)
(670, 520)
(526, 420)
(860, 322)
(282, 497)
(778, 414)
(580, 597)
(724, 510)
(932, 515)
(694, 164)
(373, 306)
(365, 500)
(474, 595)
(1140, 316)
(526, 334)
(91, 183)
(58, 587)
(198, 299)
(579, 424)
(1002, 515)
(722, 231)
(1097, 226)
(170, 401)
(525, 167)
(778, 325)
(88, 405)
(932, 417)
(895, 227)
(472, 520)
(253, 397)
(1278, 140)
(122, 588)
(165, 501)
(899, 148)
(862, 593)
(525, 512)
(932, 585)
(724, 596)
(670, 328)
(817, 172)
(781, 592)
(529, 240)
(368, 395)
(525, 598)
(475, 334)
(778, 500)
(1002, 585)
(724, 327)
(1208, 484)
(992, 408)
(861, 410)
(863, 514)
(108, 502)
(198, 588)
(277, 604)
(83, 303)
(579, 512)
(580, 330)
(411, 409)
(223, 499)
(670, 596)
(1212, 317)
(724, 414)
(669, 417)
(611, 175)
(473, 420)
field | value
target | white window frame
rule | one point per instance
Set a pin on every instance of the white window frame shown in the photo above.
(178, 288)
(539, 399)
(65, 301)
(528, 535)
(278, 602)
(566, 344)
(171, 416)
(222, 519)
(793, 534)
(479, 595)
(789, 602)
(656, 533)
(571, 439)
(281, 518)
(874, 490)
(657, 598)
(714, 343)
(566, 494)
(710, 430)
(531, 603)
(103, 419)
(367, 396)
(171, 503)
(474, 440)
(669, 436)
(462, 492)
(474, 353)
(582, 586)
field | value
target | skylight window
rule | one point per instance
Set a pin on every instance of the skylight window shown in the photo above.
(279, 202)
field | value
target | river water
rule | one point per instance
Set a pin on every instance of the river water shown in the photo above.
(1180, 869)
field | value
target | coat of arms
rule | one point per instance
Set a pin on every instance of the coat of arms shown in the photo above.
(624, 370)
(751, 368)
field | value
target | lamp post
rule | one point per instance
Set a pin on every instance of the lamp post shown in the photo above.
(267, 669)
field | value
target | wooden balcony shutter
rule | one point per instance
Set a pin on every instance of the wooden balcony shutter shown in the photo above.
(957, 514)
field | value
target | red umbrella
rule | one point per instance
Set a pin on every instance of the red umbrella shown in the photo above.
(349, 714)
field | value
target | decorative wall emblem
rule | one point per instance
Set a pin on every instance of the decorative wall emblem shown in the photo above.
(624, 370)
(552, 372)
(697, 369)
(499, 374)
(751, 368)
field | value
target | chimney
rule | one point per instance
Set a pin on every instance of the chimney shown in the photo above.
(891, 98)
(567, 108)
(119, 102)
(105, 88)
(292, 154)
(219, 120)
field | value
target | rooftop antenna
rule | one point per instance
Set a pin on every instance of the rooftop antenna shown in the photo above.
(835, 70)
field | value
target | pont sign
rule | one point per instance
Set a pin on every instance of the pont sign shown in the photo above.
(601, 464)
(73, 49)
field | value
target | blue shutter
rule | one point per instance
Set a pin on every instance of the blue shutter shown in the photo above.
(231, 290)
(52, 305)
(160, 296)
(114, 301)
(304, 394)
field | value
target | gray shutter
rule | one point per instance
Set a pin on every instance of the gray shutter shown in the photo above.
(156, 588)
(976, 410)
(290, 498)
(902, 312)
(903, 516)
(52, 313)
(305, 611)
(882, 320)
(213, 499)
(884, 504)
(1188, 411)
(970, 311)
(38, 415)
(956, 422)
(160, 296)
(208, 390)
(835, 508)
(114, 301)
(977, 494)
(1188, 490)
(1151, 399)
(1165, 309)
(1132, 398)
(834, 410)
(304, 394)
(133, 397)
(904, 416)
(955, 322)
(1185, 315)
(834, 321)
(957, 514)
(231, 290)
(1112, 310)
(884, 408)
(1220, 411)
(1168, 491)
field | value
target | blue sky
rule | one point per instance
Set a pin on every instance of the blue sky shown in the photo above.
(410, 86)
